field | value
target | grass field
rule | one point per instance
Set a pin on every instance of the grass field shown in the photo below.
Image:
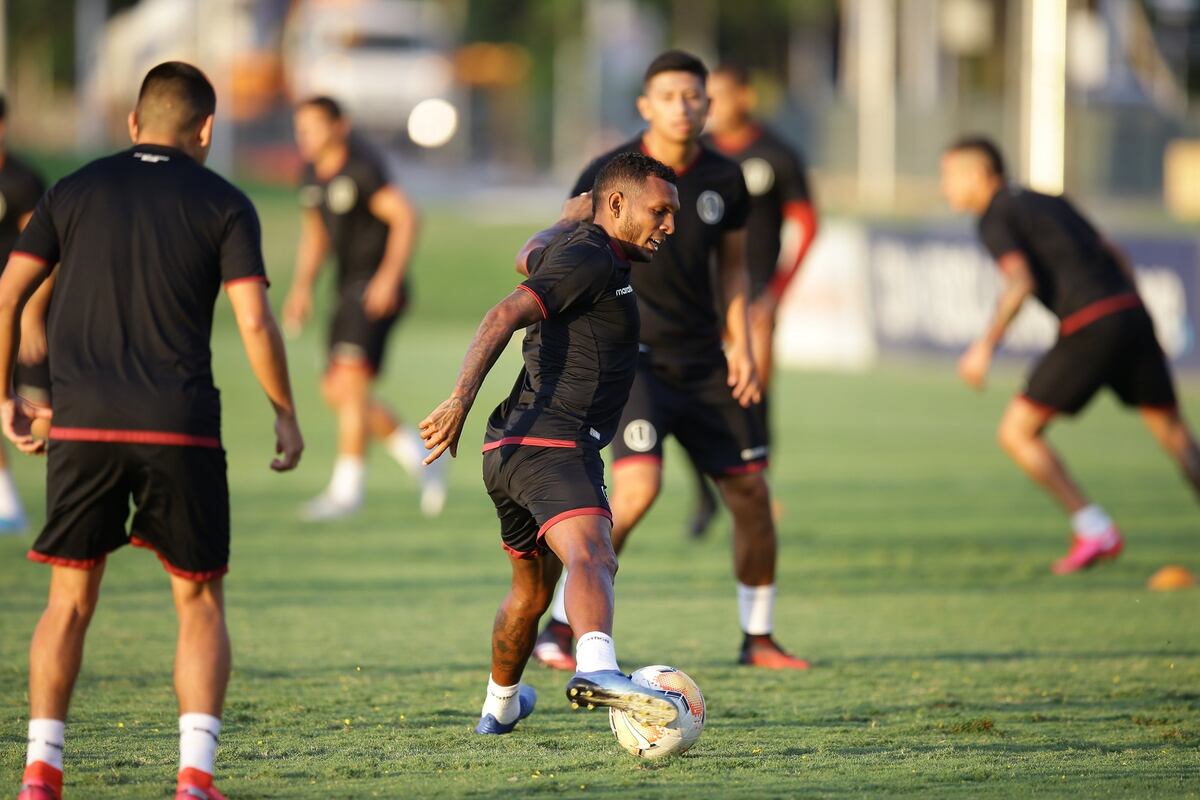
(914, 572)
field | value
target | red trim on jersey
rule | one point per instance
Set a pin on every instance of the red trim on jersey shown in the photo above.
(731, 145)
(616, 248)
(530, 441)
(1098, 310)
(26, 254)
(629, 460)
(590, 511)
(247, 279)
(534, 295)
(679, 173)
(134, 437)
(198, 577)
(1046, 411)
(57, 561)
(521, 555)
(745, 469)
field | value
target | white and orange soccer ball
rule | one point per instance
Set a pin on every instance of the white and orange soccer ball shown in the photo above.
(660, 741)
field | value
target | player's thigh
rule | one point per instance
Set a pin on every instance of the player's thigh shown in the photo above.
(356, 339)
(557, 484)
(1140, 375)
(583, 539)
(87, 503)
(1069, 374)
(518, 528)
(645, 421)
(720, 435)
(182, 501)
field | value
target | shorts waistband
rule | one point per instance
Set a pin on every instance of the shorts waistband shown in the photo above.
(133, 437)
(1098, 310)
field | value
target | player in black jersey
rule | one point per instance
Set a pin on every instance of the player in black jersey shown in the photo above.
(20, 189)
(144, 241)
(541, 463)
(1045, 248)
(353, 208)
(780, 199)
(696, 378)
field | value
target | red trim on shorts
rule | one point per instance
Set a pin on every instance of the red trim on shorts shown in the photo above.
(249, 279)
(629, 460)
(530, 441)
(521, 555)
(747, 468)
(1049, 411)
(534, 295)
(679, 173)
(590, 511)
(57, 561)
(198, 577)
(134, 437)
(1098, 310)
(27, 254)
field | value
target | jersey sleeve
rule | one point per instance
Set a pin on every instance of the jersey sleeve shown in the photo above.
(369, 172)
(793, 179)
(40, 237)
(564, 281)
(737, 202)
(241, 245)
(996, 233)
(25, 199)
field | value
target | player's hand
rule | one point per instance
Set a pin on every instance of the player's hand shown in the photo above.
(442, 428)
(33, 347)
(974, 365)
(743, 377)
(578, 208)
(289, 443)
(297, 308)
(17, 418)
(381, 298)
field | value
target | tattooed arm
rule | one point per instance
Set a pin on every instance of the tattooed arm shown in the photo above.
(442, 428)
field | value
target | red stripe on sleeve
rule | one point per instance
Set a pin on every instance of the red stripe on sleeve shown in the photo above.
(534, 295)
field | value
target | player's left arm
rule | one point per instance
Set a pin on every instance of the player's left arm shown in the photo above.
(800, 222)
(443, 427)
(734, 282)
(1018, 285)
(20, 279)
(391, 206)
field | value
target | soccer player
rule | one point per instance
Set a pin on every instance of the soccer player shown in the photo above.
(541, 462)
(1045, 248)
(696, 376)
(777, 180)
(20, 188)
(144, 240)
(351, 206)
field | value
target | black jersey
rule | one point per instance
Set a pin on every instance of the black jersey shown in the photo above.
(676, 291)
(358, 237)
(580, 360)
(143, 239)
(1071, 265)
(775, 175)
(20, 189)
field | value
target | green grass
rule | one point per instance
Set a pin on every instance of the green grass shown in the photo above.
(913, 571)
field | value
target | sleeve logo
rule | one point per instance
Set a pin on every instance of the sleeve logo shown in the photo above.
(710, 206)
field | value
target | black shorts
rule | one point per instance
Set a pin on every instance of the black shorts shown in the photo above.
(355, 338)
(535, 488)
(695, 405)
(32, 381)
(1119, 351)
(180, 496)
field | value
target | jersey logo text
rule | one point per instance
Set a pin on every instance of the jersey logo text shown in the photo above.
(624, 290)
(151, 158)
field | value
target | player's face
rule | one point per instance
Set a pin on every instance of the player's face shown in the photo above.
(316, 132)
(675, 105)
(728, 103)
(649, 219)
(965, 179)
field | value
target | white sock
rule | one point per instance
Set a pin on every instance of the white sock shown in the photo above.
(198, 741)
(45, 742)
(595, 651)
(756, 608)
(406, 447)
(558, 609)
(502, 702)
(1090, 522)
(10, 501)
(346, 485)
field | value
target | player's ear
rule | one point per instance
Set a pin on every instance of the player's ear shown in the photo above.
(616, 204)
(132, 122)
(643, 107)
(204, 135)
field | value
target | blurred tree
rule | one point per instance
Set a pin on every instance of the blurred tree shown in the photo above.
(36, 31)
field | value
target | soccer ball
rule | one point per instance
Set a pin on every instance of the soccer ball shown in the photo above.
(660, 741)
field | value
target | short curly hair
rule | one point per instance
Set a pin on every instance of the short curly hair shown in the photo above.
(624, 169)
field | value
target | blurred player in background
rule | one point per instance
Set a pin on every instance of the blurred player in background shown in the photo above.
(1045, 248)
(696, 376)
(352, 207)
(780, 200)
(541, 461)
(144, 240)
(20, 189)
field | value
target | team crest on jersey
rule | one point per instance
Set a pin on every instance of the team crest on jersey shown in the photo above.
(759, 175)
(640, 436)
(310, 196)
(710, 206)
(342, 194)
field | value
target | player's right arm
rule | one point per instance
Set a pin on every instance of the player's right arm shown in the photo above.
(20, 279)
(577, 209)
(268, 359)
(1018, 284)
(310, 256)
(443, 427)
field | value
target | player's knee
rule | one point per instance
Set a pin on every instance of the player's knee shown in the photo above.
(634, 498)
(595, 557)
(71, 611)
(1012, 437)
(331, 390)
(747, 494)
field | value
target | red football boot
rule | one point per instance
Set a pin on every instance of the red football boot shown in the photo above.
(1085, 553)
(553, 647)
(765, 653)
(41, 782)
(195, 784)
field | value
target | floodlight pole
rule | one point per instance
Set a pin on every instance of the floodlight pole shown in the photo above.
(874, 25)
(1043, 94)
